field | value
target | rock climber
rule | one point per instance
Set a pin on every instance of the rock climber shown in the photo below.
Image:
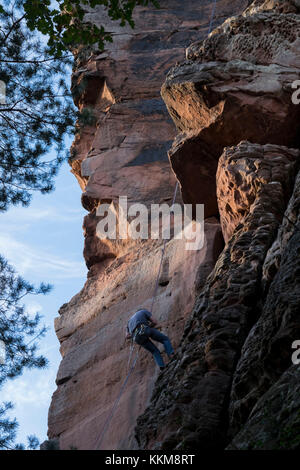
(140, 329)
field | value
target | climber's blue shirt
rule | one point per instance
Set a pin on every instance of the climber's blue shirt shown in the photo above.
(141, 316)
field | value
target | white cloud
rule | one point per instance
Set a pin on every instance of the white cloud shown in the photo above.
(37, 261)
(51, 213)
(32, 308)
(22, 392)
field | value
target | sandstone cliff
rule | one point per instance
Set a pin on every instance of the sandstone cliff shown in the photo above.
(231, 312)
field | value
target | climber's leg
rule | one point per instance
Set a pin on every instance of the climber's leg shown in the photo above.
(154, 351)
(161, 338)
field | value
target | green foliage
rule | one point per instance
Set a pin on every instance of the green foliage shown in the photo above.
(8, 428)
(36, 38)
(65, 27)
(19, 333)
(16, 326)
(37, 114)
(39, 110)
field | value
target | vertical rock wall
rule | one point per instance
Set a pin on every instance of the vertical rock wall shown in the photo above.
(123, 152)
(234, 384)
(231, 313)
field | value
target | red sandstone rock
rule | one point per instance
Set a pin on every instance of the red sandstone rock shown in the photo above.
(267, 352)
(217, 104)
(241, 171)
(124, 152)
(236, 85)
(91, 329)
(196, 388)
(274, 421)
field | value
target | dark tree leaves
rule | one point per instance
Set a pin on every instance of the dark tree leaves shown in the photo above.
(37, 113)
(65, 26)
(19, 332)
(37, 40)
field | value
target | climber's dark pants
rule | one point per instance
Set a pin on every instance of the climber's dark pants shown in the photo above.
(144, 340)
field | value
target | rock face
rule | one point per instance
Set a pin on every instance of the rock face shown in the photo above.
(242, 172)
(195, 390)
(274, 422)
(122, 151)
(266, 354)
(231, 312)
(236, 85)
(233, 384)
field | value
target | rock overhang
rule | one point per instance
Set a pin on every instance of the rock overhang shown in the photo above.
(233, 87)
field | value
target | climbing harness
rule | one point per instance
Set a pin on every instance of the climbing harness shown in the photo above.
(140, 329)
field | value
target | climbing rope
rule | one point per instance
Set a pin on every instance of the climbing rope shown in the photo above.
(130, 355)
(162, 257)
(111, 414)
(175, 191)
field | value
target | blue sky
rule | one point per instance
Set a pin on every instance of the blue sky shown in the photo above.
(44, 242)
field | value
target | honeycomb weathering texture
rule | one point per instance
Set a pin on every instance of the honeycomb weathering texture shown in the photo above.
(230, 311)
